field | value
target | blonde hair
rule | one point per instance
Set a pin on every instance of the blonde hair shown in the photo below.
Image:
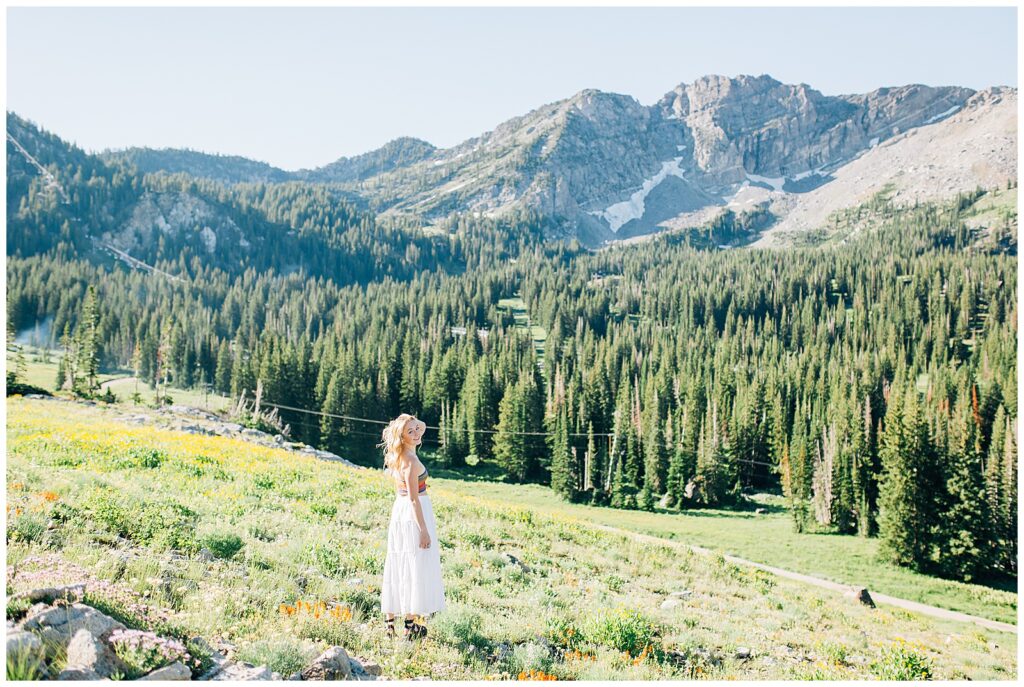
(392, 442)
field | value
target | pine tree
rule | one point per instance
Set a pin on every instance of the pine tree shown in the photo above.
(89, 338)
(906, 517)
(509, 442)
(561, 479)
(332, 429)
(222, 375)
(965, 537)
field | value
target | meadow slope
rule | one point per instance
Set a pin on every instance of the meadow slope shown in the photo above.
(129, 508)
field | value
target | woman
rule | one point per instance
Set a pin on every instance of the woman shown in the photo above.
(412, 568)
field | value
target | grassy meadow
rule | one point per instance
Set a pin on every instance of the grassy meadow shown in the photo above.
(130, 507)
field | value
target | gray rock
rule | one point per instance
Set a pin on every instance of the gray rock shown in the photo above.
(78, 673)
(25, 644)
(243, 671)
(742, 653)
(669, 604)
(175, 671)
(355, 581)
(372, 667)
(332, 664)
(681, 593)
(63, 621)
(85, 651)
(205, 555)
(760, 511)
(48, 595)
(295, 676)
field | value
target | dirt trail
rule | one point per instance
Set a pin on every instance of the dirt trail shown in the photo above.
(924, 609)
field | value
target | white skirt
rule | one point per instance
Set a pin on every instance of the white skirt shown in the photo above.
(412, 575)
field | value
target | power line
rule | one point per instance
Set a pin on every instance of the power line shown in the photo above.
(452, 429)
(447, 429)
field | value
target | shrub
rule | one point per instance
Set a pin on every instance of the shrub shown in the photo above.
(24, 665)
(564, 632)
(327, 510)
(327, 629)
(139, 457)
(284, 655)
(902, 662)
(144, 652)
(30, 527)
(527, 657)
(158, 523)
(460, 627)
(327, 559)
(625, 630)
(17, 606)
(223, 545)
(614, 582)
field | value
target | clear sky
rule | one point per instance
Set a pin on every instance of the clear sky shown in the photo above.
(300, 87)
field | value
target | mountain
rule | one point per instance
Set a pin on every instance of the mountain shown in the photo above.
(178, 216)
(228, 169)
(601, 167)
(604, 167)
(395, 154)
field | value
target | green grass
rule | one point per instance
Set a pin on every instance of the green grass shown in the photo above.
(121, 382)
(770, 539)
(154, 494)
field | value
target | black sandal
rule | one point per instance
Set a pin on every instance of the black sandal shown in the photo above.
(414, 630)
(389, 627)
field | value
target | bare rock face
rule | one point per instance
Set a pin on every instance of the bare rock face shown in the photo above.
(88, 653)
(602, 166)
(333, 664)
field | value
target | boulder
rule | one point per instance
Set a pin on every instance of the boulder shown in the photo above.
(175, 671)
(669, 604)
(332, 664)
(85, 651)
(861, 595)
(48, 595)
(682, 593)
(243, 671)
(78, 673)
(742, 653)
(760, 511)
(371, 667)
(61, 622)
(25, 645)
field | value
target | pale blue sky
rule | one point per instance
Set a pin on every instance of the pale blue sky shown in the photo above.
(301, 87)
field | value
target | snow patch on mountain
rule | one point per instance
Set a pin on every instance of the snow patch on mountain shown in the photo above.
(775, 182)
(618, 214)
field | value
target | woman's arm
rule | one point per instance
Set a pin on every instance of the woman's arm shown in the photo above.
(413, 488)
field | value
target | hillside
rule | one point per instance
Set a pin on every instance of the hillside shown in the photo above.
(526, 591)
(977, 146)
(602, 167)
